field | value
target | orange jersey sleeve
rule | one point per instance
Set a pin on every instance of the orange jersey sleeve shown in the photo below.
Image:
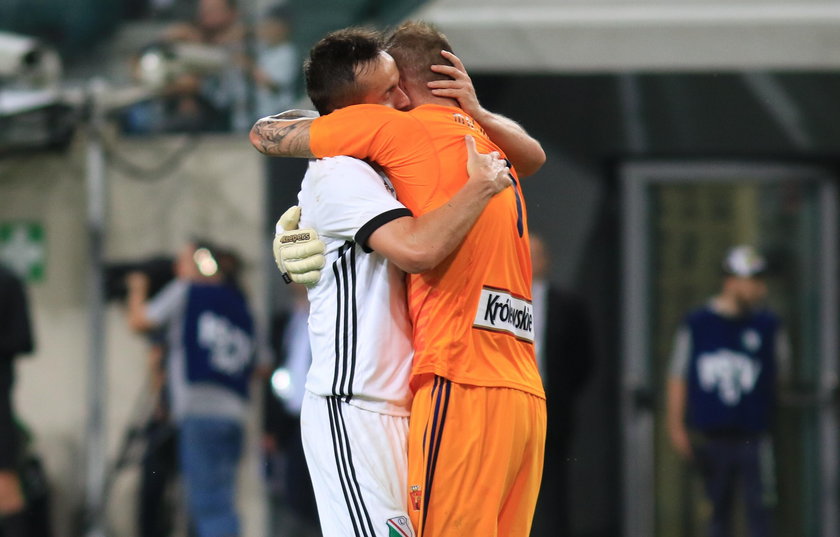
(396, 141)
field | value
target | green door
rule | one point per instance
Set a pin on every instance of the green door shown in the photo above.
(679, 219)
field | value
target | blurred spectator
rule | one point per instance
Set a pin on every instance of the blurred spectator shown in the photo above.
(15, 339)
(276, 67)
(728, 357)
(211, 357)
(291, 499)
(214, 102)
(565, 356)
(217, 22)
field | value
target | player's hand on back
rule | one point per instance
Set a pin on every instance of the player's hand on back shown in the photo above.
(299, 253)
(460, 87)
(488, 170)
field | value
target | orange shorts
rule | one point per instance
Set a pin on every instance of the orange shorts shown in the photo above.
(475, 459)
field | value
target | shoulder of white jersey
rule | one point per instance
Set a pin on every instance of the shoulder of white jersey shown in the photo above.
(346, 164)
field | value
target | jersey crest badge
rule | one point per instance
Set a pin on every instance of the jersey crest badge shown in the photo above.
(399, 526)
(414, 497)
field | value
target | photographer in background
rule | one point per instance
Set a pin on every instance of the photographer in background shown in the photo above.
(210, 360)
(215, 101)
(15, 339)
(211, 102)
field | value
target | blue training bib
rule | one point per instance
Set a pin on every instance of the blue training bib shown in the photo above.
(218, 337)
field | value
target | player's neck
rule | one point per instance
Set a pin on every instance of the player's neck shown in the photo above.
(428, 98)
(728, 305)
(419, 95)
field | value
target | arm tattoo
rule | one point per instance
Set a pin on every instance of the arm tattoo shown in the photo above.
(282, 137)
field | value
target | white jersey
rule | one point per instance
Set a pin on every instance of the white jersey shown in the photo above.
(358, 319)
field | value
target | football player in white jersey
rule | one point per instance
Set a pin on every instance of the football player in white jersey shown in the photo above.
(354, 418)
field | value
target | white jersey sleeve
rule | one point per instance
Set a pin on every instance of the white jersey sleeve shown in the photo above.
(167, 303)
(346, 199)
(680, 354)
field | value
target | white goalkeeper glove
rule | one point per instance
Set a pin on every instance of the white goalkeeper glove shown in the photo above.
(299, 253)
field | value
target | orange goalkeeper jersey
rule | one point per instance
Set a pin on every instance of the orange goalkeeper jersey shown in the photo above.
(472, 314)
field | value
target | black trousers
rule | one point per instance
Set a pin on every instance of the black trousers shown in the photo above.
(8, 430)
(551, 518)
(158, 472)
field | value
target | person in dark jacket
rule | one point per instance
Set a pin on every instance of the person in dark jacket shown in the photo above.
(566, 357)
(15, 339)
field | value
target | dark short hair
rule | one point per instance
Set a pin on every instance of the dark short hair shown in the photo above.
(416, 46)
(333, 64)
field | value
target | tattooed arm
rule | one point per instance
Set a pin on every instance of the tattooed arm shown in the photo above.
(283, 135)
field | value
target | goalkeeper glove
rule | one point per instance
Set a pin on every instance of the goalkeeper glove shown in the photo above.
(299, 253)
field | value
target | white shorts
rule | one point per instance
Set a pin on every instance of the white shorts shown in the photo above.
(358, 463)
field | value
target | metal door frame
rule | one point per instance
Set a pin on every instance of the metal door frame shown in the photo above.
(638, 424)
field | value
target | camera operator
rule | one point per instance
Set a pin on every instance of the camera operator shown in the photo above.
(210, 359)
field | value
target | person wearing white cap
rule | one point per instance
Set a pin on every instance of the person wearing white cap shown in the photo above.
(727, 359)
